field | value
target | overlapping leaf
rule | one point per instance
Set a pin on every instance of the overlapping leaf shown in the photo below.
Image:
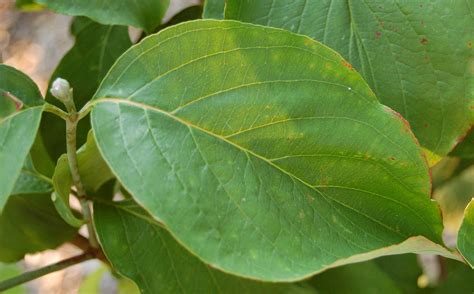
(416, 55)
(249, 142)
(144, 252)
(145, 14)
(17, 129)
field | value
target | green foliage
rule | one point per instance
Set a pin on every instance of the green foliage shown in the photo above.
(265, 136)
(222, 156)
(416, 55)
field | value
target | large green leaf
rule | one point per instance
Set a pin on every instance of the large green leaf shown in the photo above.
(465, 241)
(416, 55)
(145, 14)
(214, 9)
(18, 127)
(95, 50)
(144, 252)
(28, 224)
(249, 142)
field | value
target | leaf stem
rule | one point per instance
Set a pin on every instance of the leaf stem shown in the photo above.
(28, 276)
(71, 130)
(55, 110)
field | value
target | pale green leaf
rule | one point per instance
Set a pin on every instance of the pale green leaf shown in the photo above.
(62, 181)
(92, 167)
(416, 55)
(145, 14)
(261, 151)
(28, 224)
(95, 49)
(465, 241)
(214, 9)
(141, 250)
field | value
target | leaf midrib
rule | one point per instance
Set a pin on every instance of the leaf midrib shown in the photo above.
(247, 151)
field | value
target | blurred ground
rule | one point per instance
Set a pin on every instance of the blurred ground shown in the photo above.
(34, 42)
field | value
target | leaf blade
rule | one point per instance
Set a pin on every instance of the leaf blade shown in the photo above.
(205, 150)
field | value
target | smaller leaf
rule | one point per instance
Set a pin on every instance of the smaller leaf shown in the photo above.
(62, 182)
(466, 235)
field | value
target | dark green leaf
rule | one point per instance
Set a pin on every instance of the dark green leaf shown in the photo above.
(416, 55)
(466, 235)
(28, 224)
(249, 142)
(145, 14)
(144, 252)
(95, 50)
(214, 9)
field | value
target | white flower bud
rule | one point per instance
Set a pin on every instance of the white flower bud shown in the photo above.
(61, 89)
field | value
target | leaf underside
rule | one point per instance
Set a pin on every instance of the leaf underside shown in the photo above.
(249, 142)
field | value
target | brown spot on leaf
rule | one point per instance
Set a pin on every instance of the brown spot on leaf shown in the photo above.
(392, 158)
(347, 64)
(425, 125)
(378, 35)
(424, 41)
(381, 24)
(469, 44)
